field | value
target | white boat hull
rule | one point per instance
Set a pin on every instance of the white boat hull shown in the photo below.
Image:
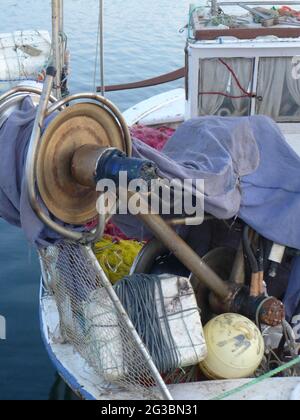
(89, 386)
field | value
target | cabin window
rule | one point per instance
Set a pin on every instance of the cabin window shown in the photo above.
(225, 86)
(279, 87)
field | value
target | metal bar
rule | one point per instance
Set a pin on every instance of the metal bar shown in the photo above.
(214, 7)
(104, 102)
(185, 254)
(135, 336)
(57, 6)
(32, 156)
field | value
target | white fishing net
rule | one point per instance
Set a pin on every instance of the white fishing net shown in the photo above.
(90, 321)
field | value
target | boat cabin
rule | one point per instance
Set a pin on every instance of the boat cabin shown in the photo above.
(247, 70)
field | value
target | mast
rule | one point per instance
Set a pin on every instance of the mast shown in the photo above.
(101, 23)
(57, 43)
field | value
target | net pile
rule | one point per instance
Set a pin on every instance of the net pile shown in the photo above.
(90, 322)
(116, 257)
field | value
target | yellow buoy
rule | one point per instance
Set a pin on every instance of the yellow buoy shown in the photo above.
(235, 348)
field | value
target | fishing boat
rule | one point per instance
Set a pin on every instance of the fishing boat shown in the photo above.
(166, 328)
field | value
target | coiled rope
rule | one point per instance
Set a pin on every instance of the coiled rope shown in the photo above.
(138, 294)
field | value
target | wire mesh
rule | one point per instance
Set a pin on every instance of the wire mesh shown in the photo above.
(90, 322)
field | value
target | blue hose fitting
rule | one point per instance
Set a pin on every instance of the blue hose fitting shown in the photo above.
(113, 161)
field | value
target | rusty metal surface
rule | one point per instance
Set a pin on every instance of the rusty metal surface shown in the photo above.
(79, 125)
(272, 312)
(184, 253)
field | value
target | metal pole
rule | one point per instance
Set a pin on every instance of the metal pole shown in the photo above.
(61, 17)
(101, 19)
(57, 21)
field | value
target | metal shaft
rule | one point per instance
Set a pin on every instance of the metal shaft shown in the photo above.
(135, 336)
(214, 7)
(57, 21)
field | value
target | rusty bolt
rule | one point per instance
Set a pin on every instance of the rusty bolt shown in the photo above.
(272, 312)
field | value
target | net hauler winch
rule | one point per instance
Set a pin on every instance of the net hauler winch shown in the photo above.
(89, 141)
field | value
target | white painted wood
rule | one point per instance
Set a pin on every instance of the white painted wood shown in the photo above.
(23, 54)
(269, 390)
